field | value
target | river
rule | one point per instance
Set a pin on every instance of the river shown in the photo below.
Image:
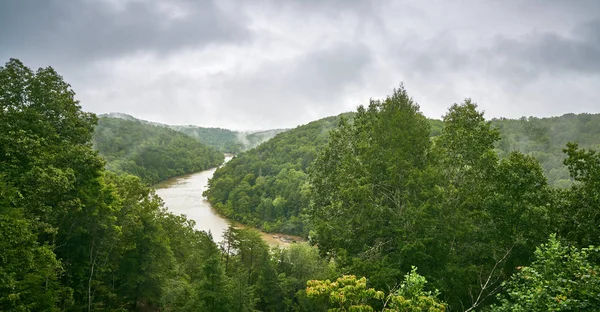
(183, 195)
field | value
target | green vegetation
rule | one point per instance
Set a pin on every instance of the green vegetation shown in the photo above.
(348, 293)
(153, 153)
(224, 140)
(275, 196)
(383, 200)
(75, 237)
(228, 141)
(560, 279)
(379, 195)
(392, 189)
(266, 186)
(545, 138)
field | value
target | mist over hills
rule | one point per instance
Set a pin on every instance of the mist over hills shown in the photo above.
(224, 140)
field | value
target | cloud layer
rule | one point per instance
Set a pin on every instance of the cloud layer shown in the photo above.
(267, 64)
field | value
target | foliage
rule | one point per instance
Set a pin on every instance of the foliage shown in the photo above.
(544, 138)
(151, 152)
(385, 196)
(385, 193)
(578, 211)
(561, 278)
(223, 140)
(266, 187)
(348, 293)
(411, 295)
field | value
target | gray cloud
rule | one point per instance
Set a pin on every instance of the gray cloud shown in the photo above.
(76, 31)
(267, 63)
(550, 52)
(301, 90)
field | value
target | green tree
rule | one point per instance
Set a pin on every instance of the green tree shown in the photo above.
(579, 212)
(561, 278)
(348, 293)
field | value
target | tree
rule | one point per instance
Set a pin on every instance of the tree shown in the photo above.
(580, 214)
(561, 278)
(348, 293)
(367, 186)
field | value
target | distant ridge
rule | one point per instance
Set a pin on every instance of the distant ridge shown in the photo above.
(224, 140)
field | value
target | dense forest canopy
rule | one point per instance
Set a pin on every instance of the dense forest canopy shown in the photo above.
(403, 216)
(228, 141)
(76, 237)
(151, 152)
(265, 187)
(394, 189)
(247, 188)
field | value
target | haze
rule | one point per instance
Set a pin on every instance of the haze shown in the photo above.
(275, 64)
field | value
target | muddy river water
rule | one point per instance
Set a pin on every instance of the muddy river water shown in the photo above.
(183, 195)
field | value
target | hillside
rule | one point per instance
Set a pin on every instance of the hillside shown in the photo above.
(154, 153)
(545, 139)
(265, 187)
(224, 140)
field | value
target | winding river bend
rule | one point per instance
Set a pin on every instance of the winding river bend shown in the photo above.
(183, 195)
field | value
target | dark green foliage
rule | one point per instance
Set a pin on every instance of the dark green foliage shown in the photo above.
(386, 196)
(75, 237)
(266, 186)
(153, 153)
(223, 140)
(578, 208)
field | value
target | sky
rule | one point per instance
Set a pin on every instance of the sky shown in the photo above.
(261, 64)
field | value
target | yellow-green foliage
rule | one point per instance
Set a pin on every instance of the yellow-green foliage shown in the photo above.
(349, 293)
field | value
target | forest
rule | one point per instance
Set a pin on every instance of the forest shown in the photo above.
(398, 219)
(151, 152)
(266, 187)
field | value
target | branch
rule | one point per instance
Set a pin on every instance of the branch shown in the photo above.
(479, 299)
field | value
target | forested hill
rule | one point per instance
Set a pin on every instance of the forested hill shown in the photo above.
(224, 140)
(545, 139)
(153, 153)
(228, 141)
(265, 187)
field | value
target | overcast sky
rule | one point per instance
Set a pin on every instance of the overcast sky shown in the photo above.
(272, 64)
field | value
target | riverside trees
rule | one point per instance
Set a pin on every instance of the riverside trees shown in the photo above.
(76, 237)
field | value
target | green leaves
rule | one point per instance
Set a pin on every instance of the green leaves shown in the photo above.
(561, 278)
(348, 293)
(266, 187)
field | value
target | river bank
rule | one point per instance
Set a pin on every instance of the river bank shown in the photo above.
(183, 195)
